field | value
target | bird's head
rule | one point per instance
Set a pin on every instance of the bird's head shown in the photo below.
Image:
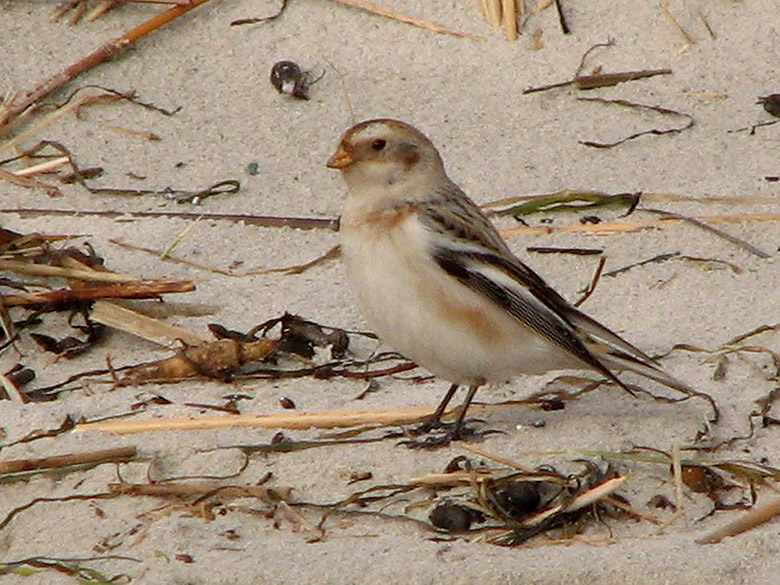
(384, 152)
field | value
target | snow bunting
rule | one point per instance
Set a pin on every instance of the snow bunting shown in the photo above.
(435, 280)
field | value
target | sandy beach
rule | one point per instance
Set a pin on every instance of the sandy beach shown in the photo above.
(204, 113)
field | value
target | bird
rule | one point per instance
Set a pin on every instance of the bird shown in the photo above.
(435, 280)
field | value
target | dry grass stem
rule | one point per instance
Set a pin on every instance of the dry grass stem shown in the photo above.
(303, 223)
(12, 391)
(99, 10)
(45, 122)
(101, 456)
(322, 420)
(502, 460)
(605, 229)
(664, 6)
(565, 194)
(178, 239)
(610, 79)
(128, 290)
(77, 274)
(44, 167)
(596, 493)
(28, 182)
(509, 16)
(452, 479)
(492, 12)
(119, 317)
(199, 488)
(401, 17)
(755, 517)
(678, 485)
(172, 258)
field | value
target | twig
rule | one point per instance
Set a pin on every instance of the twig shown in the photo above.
(93, 457)
(755, 517)
(102, 7)
(172, 258)
(199, 488)
(598, 80)
(74, 498)
(49, 119)
(593, 282)
(561, 17)
(215, 359)
(703, 224)
(628, 104)
(587, 195)
(664, 6)
(305, 223)
(633, 226)
(132, 290)
(271, 18)
(65, 272)
(28, 182)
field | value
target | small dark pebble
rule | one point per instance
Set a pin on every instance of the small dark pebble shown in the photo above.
(661, 502)
(519, 498)
(553, 404)
(771, 104)
(454, 517)
(594, 219)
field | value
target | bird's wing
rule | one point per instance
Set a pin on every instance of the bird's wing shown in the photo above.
(467, 247)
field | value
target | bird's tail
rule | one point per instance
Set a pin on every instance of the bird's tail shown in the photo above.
(615, 353)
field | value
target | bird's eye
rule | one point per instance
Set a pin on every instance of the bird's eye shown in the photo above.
(378, 144)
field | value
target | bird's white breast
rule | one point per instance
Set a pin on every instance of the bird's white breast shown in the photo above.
(424, 313)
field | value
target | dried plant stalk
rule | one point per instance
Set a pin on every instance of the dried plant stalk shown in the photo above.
(757, 516)
(130, 290)
(214, 359)
(140, 325)
(492, 11)
(386, 12)
(633, 226)
(509, 15)
(44, 167)
(200, 488)
(102, 456)
(65, 272)
(323, 420)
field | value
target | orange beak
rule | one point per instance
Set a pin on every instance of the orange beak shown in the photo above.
(341, 159)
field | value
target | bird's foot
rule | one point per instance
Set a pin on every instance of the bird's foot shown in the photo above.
(449, 432)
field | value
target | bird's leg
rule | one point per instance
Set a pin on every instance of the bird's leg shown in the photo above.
(457, 430)
(453, 432)
(434, 422)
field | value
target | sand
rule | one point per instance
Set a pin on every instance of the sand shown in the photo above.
(496, 142)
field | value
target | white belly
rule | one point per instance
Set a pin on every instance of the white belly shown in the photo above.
(430, 317)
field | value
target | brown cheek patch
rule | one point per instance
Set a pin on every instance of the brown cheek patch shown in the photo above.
(410, 158)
